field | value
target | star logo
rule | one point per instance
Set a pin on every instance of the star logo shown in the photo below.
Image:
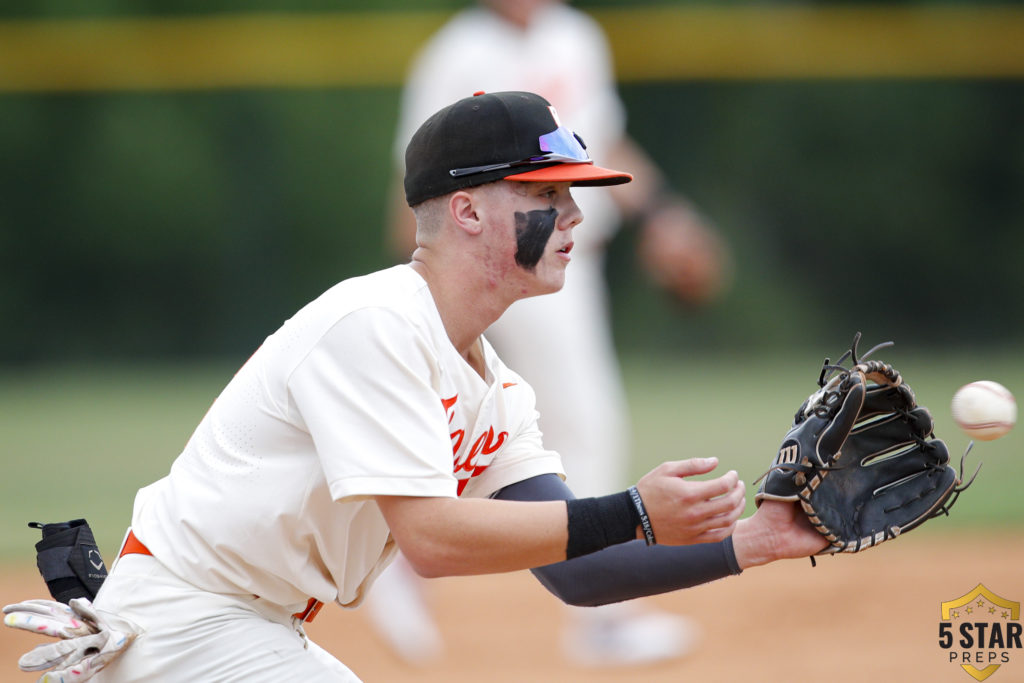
(980, 640)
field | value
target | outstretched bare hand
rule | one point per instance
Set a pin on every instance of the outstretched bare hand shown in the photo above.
(684, 511)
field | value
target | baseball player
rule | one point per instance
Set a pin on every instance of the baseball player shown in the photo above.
(378, 417)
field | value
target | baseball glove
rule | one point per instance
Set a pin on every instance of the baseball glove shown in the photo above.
(861, 457)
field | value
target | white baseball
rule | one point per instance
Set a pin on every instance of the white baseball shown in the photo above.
(985, 410)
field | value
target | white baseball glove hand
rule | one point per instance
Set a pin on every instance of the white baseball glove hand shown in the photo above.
(87, 642)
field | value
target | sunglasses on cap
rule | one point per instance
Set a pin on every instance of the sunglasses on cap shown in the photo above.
(560, 144)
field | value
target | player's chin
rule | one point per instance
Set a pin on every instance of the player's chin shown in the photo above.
(541, 287)
(551, 276)
(555, 284)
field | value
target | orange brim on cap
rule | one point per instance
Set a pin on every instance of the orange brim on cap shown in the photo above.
(579, 174)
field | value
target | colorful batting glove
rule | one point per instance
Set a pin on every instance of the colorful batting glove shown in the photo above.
(87, 642)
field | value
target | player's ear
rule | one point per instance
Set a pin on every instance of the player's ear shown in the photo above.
(462, 206)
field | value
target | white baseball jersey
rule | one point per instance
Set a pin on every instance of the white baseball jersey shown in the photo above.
(361, 393)
(562, 55)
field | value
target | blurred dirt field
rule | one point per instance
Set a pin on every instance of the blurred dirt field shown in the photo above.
(872, 616)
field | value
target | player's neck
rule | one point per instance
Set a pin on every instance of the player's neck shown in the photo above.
(475, 357)
(467, 306)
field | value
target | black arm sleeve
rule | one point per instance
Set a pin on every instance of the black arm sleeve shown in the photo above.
(624, 571)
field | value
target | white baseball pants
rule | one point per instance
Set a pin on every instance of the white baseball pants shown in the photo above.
(195, 635)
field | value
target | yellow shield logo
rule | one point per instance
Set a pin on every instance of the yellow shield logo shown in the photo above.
(980, 631)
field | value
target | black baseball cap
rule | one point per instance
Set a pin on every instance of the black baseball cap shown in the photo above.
(491, 136)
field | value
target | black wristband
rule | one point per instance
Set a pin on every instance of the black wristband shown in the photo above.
(645, 521)
(596, 523)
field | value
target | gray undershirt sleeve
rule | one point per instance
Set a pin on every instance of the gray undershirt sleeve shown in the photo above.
(627, 570)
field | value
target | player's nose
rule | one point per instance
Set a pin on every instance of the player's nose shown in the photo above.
(570, 215)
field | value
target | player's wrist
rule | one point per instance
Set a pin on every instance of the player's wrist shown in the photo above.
(596, 523)
(752, 546)
(645, 521)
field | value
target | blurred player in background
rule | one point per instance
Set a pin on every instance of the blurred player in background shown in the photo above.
(547, 47)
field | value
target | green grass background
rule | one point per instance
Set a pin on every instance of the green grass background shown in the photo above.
(79, 441)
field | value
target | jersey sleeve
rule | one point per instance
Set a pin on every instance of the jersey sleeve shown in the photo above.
(366, 394)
